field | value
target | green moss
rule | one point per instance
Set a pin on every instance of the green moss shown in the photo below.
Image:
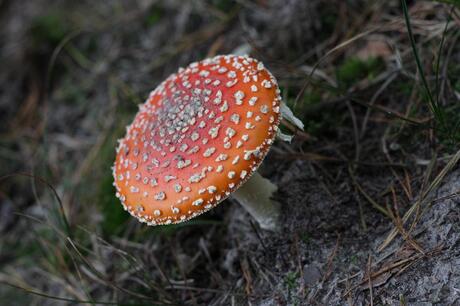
(457, 86)
(328, 16)
(449, 135)
(223, 5)
(405, 88)
(305, 237)
(49, 29)
(354, 259)
(316, 123)
(312, 97)
(114, 216)
(20, 297)
(291, 280)
(355, 69)
(20, 250)
(154, 15)
(323, 123)
(453, 2)
(70, 92)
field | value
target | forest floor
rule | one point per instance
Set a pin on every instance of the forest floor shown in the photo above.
(369, 191)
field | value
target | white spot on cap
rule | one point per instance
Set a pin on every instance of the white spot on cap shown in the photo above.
(249, 126)
(267, 84)
(194, 136)
(230, 84)
(197, 202)
(169, 178)
(260, 66)
(221, 157)
(212, 189)
(214, 132)
(264, 109)
(235, 118)
(209, 152)
(230, 132)
(160, 196)
(224, 107)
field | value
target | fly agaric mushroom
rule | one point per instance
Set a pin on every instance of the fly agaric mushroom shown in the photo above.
(200, 135)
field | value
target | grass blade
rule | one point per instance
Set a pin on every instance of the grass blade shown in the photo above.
(433, 105)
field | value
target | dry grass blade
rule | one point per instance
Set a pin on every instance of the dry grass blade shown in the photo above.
(422, 198)
(397, 264)
(57, 298)
(244, 264)
(61, 210)
(330, 260)
(371, 201)
(369, 272)
(101, 277)
(397, 221)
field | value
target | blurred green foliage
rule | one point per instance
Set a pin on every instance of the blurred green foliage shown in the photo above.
(404, 88)
(49, 29)
(457, 86)
(450, 134)
(70, 92)
(305, 237)
(224, 5)
(9, 294)
(354, 259)
(354, 69)
(154, 15)
(453, 2)
(114, 216)
(323, 123)
(291, 280)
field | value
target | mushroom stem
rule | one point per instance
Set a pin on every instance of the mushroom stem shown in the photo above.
(255, 196)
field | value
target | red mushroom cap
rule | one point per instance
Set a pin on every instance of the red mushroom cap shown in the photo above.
(197, 138)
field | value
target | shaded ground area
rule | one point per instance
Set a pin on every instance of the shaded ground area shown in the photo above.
(369, 190)
(327, 260)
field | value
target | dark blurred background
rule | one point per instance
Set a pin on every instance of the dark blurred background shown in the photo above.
(72, 74)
